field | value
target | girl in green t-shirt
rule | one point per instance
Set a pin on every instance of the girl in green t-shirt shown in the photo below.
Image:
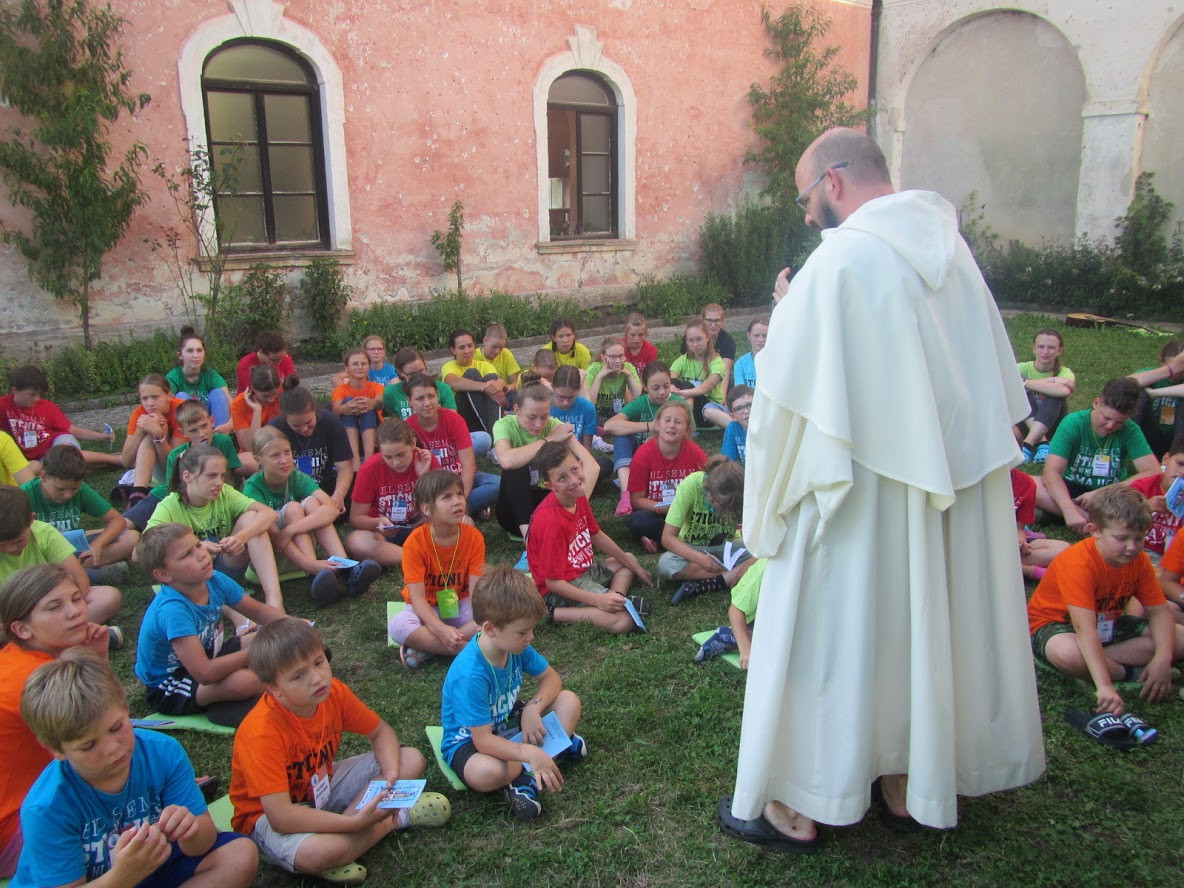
(699, 376)
(1048, 386)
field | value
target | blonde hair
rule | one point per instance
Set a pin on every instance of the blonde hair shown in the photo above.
(264, 438)
(153, 547)
(504, 595)
(66, 697)
(1116, 506)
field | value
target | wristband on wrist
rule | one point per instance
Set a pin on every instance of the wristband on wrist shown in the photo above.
(156, 440)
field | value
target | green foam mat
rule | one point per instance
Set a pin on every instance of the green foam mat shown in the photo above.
(292, 573)
(392, 608)
(195, 722)
(436, 737)
(221, 811)
(732, 657)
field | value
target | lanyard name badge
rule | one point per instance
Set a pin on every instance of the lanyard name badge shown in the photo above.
(447, 599)
(1102, 465)
(1105, 628)
(30, 439)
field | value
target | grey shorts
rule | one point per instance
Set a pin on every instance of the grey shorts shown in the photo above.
(669, 564)
(350, 777)
(595, 579)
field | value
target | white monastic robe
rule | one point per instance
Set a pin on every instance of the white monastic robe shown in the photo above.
(891, 635)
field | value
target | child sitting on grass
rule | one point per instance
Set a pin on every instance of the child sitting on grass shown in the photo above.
(1164, 524)
(1036, 550)
(409, 362)
(42, 614)
(658, 466)
(737, 635)
(255, 407)
(442, 560)
(181, 657)
(639, 351)
(735, 445)
(543, 365)
(290, 794)
(383, 511)
(193, 379)
(61, 496)
(1076, 617)
(480, 705)
(36, 423)
(356, 403)
(117, 802)
(701, 520)
(152, 433)
(493, 351)
(232, 527)
(305, 511)
(25, 542)
(576, 586)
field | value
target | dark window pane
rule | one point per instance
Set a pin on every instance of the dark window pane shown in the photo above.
(242, 220)
(238, 168)
(595, 132)
(232, 116)
(296, 219)
(579, 89)
(595, 175)
(595, 214)
(287, 118)
(255, 62)
(291, 168)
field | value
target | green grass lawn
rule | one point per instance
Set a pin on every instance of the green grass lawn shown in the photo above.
(663, 734)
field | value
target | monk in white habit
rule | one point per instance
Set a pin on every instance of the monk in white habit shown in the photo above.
(891, 641)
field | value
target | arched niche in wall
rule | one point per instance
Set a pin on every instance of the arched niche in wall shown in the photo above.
(995, 108)
(1164, 131)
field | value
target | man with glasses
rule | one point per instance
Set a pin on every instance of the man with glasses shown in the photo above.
(890, 655)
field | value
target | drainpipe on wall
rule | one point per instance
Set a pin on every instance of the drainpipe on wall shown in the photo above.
(873, 55)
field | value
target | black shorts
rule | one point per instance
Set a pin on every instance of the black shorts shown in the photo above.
(178, 694)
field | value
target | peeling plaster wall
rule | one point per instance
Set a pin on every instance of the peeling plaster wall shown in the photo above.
(438, 107)
(1131, 70)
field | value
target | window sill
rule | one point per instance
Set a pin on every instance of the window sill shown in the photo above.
(586, 245)
(278, 259)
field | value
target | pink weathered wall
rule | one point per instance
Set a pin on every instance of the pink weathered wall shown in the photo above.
(439, 107)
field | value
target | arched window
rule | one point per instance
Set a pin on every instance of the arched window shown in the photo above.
(263, 117)
(582, 157)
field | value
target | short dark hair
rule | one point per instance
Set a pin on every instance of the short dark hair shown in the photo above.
(1118, 506)
(567, 377)
(396, 431)
(550, 457)
(154, 544)
(64, 462)
(270, 341)
(279, 644)
(433, 485)
(723, 485)
(502, 596)
(1121, 394)
(15, 512)
(457, 334)
(28, 376)
(419, 380)
(295, 398)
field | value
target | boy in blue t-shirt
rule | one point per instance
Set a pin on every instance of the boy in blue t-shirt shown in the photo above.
(60, 496)
(115, 801)
(181, 657)
(567, 405)
(735, 444)
(480, 705)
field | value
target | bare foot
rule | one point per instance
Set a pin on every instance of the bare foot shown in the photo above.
(789, 822)
(895, 788)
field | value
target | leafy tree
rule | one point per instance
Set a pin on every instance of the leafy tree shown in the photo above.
(62, 68)
(448, 245)
(805, 98)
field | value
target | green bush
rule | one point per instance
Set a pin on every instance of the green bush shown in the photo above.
(324, 294)
(260, 302)
(427, 325)
(676, 298)
(746, 251)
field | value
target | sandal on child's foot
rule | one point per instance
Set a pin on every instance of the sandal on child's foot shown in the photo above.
(411, 658)
(361, 577)
(323, 587)
(649, 545)
(350, 874)
(430, 809)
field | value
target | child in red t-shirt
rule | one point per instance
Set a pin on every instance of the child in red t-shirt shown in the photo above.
(357, 402)
(639, 351)
(577, 586)
(1076, 617)
(1036, 551)
(442, 561)
(381, 508)
(1164, 525)
(657, 467)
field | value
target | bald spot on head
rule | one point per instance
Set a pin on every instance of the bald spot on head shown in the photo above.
(865, 161)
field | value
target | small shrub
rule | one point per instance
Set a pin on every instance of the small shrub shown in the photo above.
(324, 294)
(678, 297)
(448, 244)
(258, 303)
(744, 252)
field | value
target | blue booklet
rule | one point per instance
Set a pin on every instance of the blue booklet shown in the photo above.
(1175, 498)
(556, 740)
(404, 794)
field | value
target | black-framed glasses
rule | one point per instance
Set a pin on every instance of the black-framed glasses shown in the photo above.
(801, 199)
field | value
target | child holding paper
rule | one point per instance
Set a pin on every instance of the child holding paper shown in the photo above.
(440, 617)
(701, 520)
(480, 703)
(1164, 522)
(576, 586)
(737, 635)
(289, 793)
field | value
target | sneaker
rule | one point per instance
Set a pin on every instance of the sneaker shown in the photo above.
(361, 577)
(1027, 453)
(114, 638)
(1041, 454)
(578, 751)
(523, 799)
(323, 587)
(691, 588)
(721, 642)
(598, 443)
(522, 565)
(1034, 535)
(411, 658)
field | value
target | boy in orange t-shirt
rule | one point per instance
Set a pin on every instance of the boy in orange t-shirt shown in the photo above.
(442, 561)
(1076, 618)
(289, 795)
(357, 402)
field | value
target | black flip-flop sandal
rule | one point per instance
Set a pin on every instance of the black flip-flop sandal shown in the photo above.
(901, 823)
(1106, 728)
(759, 831)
